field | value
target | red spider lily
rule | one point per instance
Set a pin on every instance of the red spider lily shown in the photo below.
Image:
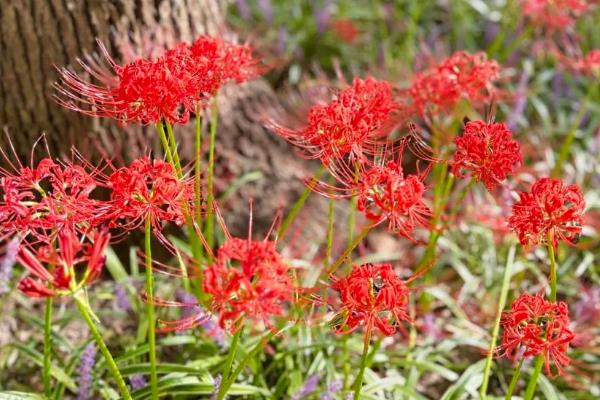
(248, 279)
(535, 326)
(352, 124)
(554, 14)
(371, 296)
(149, 189)
(168, 88)
(590, 64)
(59, 278)
(550, 209)
(488, 151)
(346, 30)
(462, 75)
(48, 198)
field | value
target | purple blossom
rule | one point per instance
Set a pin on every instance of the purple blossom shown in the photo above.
(322, 15)
(209, 326)
(243, 9)
(332, 389)
(121, 298)
(137, 381)
(282, 39)
(8, 262)
(520, 103)
(350, 396)
(217, 386)
(310, 385)
(86, 367)
(266, 9)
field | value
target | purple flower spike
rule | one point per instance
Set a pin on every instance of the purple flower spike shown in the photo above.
(310, 385)
(86, 367)
(266, 9)
(137, 381)
(7, 263)
(244, 9)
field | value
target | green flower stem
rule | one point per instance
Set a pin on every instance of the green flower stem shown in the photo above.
(349, 250)
(210, 221)
(165, 143)
(501, 304)
(47, 347)
(513, 381)
(530, 391)
(553, 278)
(150, 308)
(291, 216)
(85, 312)
(198, 171)
(174, 151)
(330, 227)
(226, 383)
(363, 365)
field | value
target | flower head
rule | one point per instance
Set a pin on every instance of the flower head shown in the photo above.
(42, 200)
(346, 30)
(86, 369)
(535, 326)
(53, 269)
(351, 124)
(590, 64)
(170, 87)
(148, 189)
(554, 14)
(248, 279)
(372, 296)
(487, 151)
(386, 194)
(550, 211)
(462, 75)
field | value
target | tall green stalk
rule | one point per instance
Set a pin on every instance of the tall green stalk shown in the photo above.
(47, 347)
(85, 312)
(349, 250)
(501, 304)
(513, 381)
(150, 308)
(210, 220)
(363, 365)
(226, 373)
(530, 391)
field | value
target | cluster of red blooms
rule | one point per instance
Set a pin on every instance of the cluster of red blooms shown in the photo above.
(535, 326)
(550, 211)
(53, 204)
(462, 75)
(487, 151)
(351, 124)
(590, 64)
(554, 14)
(168, 88)
(372, 296)
(248, 279)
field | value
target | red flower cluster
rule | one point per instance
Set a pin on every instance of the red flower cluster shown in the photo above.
(590, 64)
(149, 189)
(551, 209)
(58, 277)
(372, 295)
(168, 88)
(533, 327)
(462, 75)
(351, 124)
(554, 14)
(248, 279)
(384, 193)
(488, 151)
(41, 200)
(346, 30)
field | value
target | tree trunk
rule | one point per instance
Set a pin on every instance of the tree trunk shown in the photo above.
(37, 35)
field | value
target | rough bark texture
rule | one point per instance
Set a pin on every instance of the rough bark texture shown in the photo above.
(37, 35)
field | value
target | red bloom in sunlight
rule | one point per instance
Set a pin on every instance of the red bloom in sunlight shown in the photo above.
(550, 209)
(462, 75)
(384, 193)
(554, 14)
(62, 261)
(47, 198)
(350, 124)
(346, 30)
(372, 296)
(168, 88)
(248, 279)
(535, 326)
(590, 64)
(488, 151)
(149, 189)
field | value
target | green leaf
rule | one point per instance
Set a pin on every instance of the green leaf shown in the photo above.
(58, 373)
(164, 368)
(475, 371)
(115, 267)
(12, 395)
